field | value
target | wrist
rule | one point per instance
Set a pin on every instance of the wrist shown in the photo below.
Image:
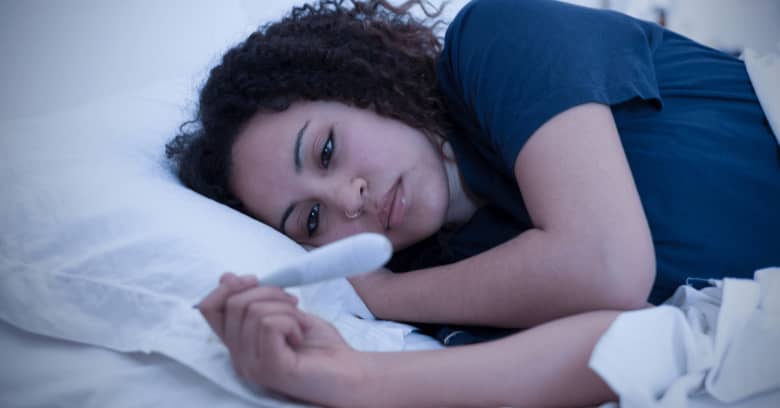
(339, 381)
(357, 381)
(368, 389)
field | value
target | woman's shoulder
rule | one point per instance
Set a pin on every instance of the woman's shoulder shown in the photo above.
(483, 21)
(533, 17)
(491, 12)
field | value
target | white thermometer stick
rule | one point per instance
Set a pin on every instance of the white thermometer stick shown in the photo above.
(350, 256)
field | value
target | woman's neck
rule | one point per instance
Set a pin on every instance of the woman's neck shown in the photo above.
(461, 205)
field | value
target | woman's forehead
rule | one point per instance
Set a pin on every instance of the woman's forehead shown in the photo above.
(262, 160)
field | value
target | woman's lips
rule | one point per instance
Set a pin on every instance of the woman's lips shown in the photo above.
(393, 206)
(398, 209)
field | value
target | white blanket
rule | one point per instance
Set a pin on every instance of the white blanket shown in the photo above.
(711, 348)
(764, 72)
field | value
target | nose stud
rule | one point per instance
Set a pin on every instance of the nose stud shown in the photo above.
(354, 215)
(360, 183)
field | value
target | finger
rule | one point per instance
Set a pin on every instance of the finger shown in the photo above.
(227, 277)
(274, 338)
(308, 321)
(213, 306)
(255, 360)
(286, 329)
(295, 339)
(236, 305)
(229, 283)
(236, 281)
(256, 312)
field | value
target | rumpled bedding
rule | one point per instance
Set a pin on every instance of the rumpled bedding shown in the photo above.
(715, 347)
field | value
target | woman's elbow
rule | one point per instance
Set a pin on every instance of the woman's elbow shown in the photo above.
(631, 273)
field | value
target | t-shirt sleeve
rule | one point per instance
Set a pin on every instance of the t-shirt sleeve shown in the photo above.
(511, 65)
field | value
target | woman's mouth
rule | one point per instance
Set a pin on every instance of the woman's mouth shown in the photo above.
(394, 206)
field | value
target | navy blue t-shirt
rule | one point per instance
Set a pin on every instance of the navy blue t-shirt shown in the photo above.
(702, 154)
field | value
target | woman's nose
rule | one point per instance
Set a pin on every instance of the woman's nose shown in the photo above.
(352, 197)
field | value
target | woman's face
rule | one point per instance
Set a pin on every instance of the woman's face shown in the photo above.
(321, 171)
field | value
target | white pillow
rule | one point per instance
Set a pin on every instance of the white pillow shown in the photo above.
(101, 244)
(87, 193)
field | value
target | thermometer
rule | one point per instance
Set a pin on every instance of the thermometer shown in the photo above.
(350, 256)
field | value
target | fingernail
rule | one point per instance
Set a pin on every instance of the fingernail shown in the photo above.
(249, 279)
(227, 276)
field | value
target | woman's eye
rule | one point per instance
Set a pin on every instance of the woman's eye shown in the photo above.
(327, 151)
(314, 220)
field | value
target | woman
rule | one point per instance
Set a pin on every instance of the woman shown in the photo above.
(548, 160)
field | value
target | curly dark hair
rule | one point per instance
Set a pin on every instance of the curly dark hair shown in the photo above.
(371, 55)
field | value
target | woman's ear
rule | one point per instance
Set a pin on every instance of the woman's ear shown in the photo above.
(446, 151)
(445, 148)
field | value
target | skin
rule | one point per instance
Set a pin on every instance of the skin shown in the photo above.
(347, 173)
(275, 345)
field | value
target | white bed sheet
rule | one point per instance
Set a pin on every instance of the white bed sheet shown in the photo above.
(41, 371)
(716, 347)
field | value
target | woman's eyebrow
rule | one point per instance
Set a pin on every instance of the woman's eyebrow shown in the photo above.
(298, 163)
(297, 152)
(285, 216)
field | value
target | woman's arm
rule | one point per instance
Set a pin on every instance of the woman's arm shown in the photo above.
(546, 366)
(590, 249)
(275, 345)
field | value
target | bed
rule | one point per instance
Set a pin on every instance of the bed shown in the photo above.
(103, 252)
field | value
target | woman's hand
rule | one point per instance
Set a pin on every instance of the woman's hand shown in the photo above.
(275, 345)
